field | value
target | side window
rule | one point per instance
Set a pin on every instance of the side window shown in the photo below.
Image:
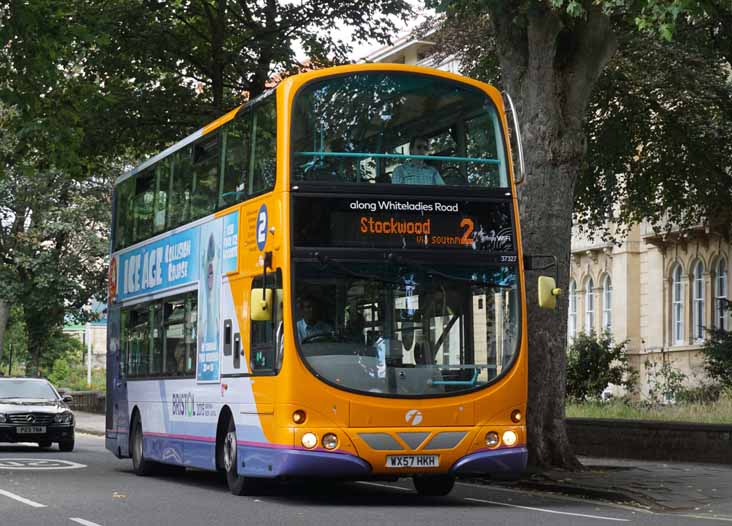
(179, 349)
(179, 208)
(138, 341)
(262, 356)
(162, 187)
(159, 339)
(143, 205)
(123, 214)
(236, 145)
(156, 340)
(205, 189)
(263, 162)
(124, 320)
(190, 332)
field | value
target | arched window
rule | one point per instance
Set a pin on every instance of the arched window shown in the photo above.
(698, 301)
(721, 314)
(589, 305)
(607, 303)
(677, 306)
(572, 317)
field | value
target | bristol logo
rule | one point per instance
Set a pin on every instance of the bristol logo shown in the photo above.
(413, 416)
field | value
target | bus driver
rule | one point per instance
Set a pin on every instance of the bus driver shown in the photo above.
(310, 325)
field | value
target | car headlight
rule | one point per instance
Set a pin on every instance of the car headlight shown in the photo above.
(3, 418)
(64, 418)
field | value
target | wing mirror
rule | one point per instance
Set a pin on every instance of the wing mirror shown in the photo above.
(68, 399)
(260, 304)
(548, 292)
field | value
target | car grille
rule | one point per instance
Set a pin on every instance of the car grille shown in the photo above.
(39, 419)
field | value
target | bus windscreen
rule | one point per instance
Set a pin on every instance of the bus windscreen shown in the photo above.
(406, 329)
(397, 128)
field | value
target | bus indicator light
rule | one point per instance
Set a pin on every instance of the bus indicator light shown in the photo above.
(516, 416)
(299, 416)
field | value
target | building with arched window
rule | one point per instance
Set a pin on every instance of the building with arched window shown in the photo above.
(659, 291)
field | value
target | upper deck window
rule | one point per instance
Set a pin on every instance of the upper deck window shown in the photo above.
(219, 169)
(397, 128)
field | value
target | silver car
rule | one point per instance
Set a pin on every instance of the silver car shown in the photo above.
(32, 410)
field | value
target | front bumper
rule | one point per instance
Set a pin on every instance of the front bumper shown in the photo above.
(286, 462)
(54, 433)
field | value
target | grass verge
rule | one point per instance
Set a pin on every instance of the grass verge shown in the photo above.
(719, 412)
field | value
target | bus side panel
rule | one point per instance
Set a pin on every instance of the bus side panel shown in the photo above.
(117, 423)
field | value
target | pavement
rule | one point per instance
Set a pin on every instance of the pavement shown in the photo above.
(701, 490)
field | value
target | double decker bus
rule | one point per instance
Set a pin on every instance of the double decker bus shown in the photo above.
(325, 282)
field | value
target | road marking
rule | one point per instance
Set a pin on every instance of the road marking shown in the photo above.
(83, 521)
(21, 499)
(38, 464)
(382, 485)
(557, 496)
(547, 511)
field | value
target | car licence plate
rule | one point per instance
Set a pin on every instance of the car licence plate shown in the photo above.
(412, 461)
(31, 430)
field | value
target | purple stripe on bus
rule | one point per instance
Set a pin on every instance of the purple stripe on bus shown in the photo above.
(180, 437)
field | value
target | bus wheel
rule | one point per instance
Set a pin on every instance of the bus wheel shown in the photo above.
(237, 483)
(433, 486)
(140, 464)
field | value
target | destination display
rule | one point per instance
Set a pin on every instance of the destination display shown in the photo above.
(370, 222)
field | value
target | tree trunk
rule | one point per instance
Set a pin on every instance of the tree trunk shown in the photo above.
(4, 316)
(550, 64)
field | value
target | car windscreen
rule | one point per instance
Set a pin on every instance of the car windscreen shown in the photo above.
(26, 389)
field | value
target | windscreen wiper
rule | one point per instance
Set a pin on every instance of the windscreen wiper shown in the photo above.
(401, 260)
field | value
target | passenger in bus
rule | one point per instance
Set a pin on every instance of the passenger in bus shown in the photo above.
(416, 171)
(310, 325)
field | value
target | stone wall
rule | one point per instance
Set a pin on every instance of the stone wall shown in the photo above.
(650, 440)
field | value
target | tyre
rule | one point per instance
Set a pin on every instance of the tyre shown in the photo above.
(140, 464)
(238, 485)
(44, 444)
(433, 486)
(66, 445)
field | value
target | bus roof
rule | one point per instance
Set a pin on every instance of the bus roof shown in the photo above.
(298, 80)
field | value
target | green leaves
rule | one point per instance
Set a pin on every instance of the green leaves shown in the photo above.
(593, 362)
(718, 356)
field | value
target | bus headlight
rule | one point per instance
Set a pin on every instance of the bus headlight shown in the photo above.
(309, 440)
(491, 439)
(330, 441)
(509, 438)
